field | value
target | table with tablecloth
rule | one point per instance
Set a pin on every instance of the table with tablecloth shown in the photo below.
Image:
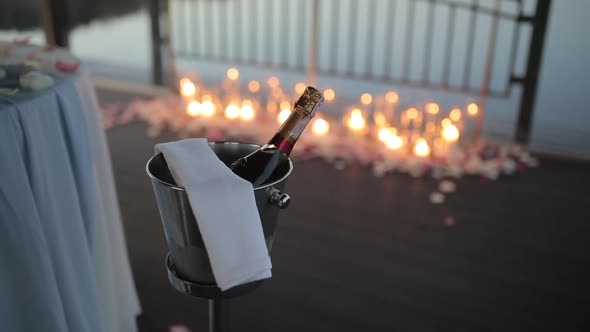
(63, 259)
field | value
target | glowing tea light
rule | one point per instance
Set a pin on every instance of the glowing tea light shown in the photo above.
(391, 97)
(206, 98)
(247, 112)
(366, 98)
(379, 119)
(233, 73)
(421, 149)
(445, 122)
(193, 108)
(472, 109)
(412, 113)
(455, 114)
(432, 108)
(207, 108)
(329, 94)
(450, 133)
(285, 105)
(300, 88)
(385, 133)
(232, 111)
(273, 82)
(356, 121)
(394, 142)
(320, 127)
(187, 88)
(283, 115)
(253, 86)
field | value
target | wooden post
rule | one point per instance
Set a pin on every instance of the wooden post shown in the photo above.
(527, 101)
(56, 22)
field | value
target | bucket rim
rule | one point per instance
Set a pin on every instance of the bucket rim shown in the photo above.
(175, 187)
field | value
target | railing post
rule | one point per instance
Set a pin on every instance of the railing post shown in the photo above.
(156, 37)
(56, 23)
(527, 101)
(313, 47)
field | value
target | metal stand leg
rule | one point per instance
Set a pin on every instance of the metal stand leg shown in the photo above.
(218, 315)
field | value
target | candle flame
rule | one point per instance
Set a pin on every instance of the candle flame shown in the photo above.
(379, 119)
(385, 133)
(450, 133)
(366, 98)
(455, 114)
(445, 122)
(232, 111)
(193, 108)
(329, 94)
(432, 108)
(285, 105)
(247, 102)
(273, 82)
(320, 127)
(412, 113)
(394, 142)
(391, 97)
(300, 88)
(421, 149)
(472, 109)
(247, 112)
(206, 98)
(233, 73)
(356, 121)
(253, 86)
(283, 115)
(187, 88)
(208, 109)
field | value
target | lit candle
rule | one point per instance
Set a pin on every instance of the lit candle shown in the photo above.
(187, 88)
(432, 110)
(356, 121)
(247, 112)
(232, 111)
(455, 114)
(193, 108)
(450, 133)
(300, 88)
(207, 108)
(385, 133)
(283, 115)
(329, 95)
(472, 109)
(421, 149)
(320, 127)
(394, 142)
(232, 83)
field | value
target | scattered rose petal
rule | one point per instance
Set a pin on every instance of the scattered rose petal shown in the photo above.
(447, 186)
(449, 221)
(437, 198)
(21, 41)
(179, 328)
(67, 67)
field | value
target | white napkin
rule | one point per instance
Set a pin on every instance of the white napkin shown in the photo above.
(225, 209)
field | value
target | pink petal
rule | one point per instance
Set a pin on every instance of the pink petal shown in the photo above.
(67, 67)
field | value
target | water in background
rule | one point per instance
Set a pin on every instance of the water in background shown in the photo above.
(121, 47)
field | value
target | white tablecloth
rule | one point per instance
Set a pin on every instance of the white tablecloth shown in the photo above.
(63, 259)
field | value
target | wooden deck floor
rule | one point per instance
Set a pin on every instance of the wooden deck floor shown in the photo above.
(360, 253)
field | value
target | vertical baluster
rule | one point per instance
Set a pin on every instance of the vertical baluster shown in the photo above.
(335, 33)
(182, 30)
(238, 30)
(427, 59)
(271, 28)
(252, 20)
(470, 41)
(372, 21)
(513, 51)
(409, 35)
(389, 34)
(352, 37)
(304, 15)
(449, 45)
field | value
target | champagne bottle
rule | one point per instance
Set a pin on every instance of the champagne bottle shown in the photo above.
(258, 166)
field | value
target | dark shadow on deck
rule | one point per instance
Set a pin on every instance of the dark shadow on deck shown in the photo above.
(360, 253)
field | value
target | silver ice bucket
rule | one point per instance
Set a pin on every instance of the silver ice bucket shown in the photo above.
(187, 250)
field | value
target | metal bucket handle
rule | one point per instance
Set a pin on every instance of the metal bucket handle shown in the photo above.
(277, 198)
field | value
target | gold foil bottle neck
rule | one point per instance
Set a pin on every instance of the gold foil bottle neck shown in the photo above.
(309, 101)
